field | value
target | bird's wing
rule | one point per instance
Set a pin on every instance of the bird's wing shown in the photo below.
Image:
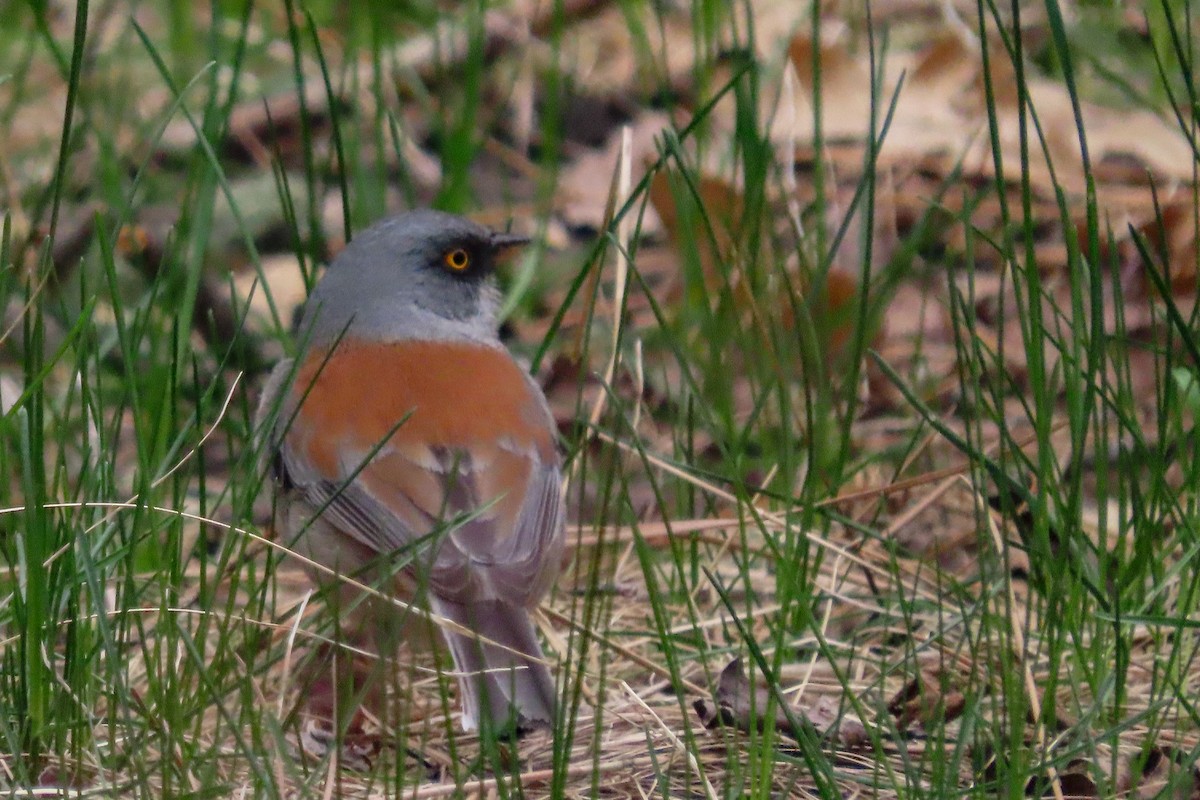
(480, 515)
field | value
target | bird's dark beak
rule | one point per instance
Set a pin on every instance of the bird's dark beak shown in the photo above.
(504, 241)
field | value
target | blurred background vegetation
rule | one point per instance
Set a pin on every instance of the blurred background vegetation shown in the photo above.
(870, 330)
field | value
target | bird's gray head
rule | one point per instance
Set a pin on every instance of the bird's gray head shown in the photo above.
(423, 274)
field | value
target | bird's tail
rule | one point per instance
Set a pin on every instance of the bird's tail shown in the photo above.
(497, 682)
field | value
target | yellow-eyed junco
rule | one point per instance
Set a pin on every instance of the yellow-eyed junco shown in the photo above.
(405, 430)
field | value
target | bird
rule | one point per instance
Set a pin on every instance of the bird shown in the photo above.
(406, 445)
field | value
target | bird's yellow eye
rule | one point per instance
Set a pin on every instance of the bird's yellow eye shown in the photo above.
(457, 260)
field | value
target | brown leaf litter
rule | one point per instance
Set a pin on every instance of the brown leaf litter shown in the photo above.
(898, 637)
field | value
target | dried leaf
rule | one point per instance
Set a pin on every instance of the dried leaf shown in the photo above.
(581, 196)
(1076, 780)
(708, 221)
(740, 705)
(929, 698)
(1161, 769)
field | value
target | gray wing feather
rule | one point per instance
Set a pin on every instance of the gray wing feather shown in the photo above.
(529, 559)
(266, 432)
